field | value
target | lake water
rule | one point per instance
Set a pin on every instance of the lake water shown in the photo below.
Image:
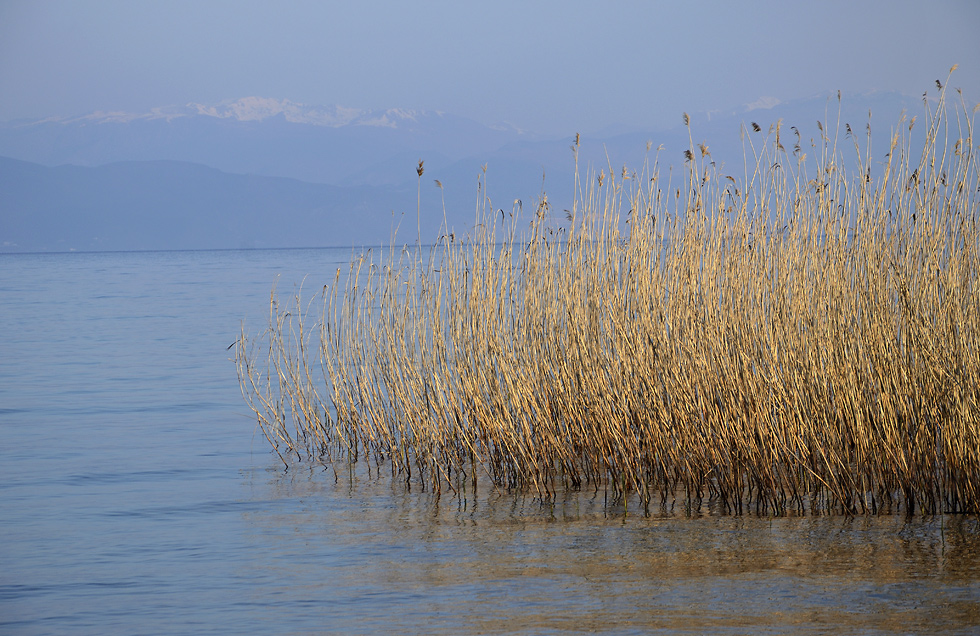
(137, 497)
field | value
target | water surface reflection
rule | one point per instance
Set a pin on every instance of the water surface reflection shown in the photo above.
(371, 556)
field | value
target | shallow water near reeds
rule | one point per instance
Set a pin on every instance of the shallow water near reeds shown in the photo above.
(137, 497)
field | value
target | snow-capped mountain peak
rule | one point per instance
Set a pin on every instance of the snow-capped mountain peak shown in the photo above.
(256, 109)
(259, 108)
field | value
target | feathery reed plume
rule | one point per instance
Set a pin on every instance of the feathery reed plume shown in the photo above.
(419, 170)
(807, 339)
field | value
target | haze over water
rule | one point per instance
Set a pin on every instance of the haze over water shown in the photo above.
(137, 497)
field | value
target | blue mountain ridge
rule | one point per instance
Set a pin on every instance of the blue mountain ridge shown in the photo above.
(205, 182)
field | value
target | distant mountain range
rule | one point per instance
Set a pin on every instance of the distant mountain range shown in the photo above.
(260, 172)
(277, 138)
(158, 205)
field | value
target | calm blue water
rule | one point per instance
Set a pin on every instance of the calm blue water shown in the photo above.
(137, 497)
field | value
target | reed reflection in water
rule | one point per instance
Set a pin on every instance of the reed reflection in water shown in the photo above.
(502, 563)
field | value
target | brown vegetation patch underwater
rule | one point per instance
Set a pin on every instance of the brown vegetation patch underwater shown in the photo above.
(804, 338)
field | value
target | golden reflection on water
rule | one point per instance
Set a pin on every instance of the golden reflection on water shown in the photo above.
(377, 557)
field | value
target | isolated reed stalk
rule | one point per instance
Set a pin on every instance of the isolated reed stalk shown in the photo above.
(805, 337)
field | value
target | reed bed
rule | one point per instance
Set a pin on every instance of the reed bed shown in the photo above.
(804, 337)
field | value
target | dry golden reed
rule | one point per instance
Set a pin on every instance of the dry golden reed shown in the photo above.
(803, 337)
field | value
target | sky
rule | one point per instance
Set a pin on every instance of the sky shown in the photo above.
(546, 67)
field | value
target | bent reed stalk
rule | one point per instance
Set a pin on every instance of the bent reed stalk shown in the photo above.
(800, 339)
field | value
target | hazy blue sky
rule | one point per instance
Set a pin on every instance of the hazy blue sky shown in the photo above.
(552, 67)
